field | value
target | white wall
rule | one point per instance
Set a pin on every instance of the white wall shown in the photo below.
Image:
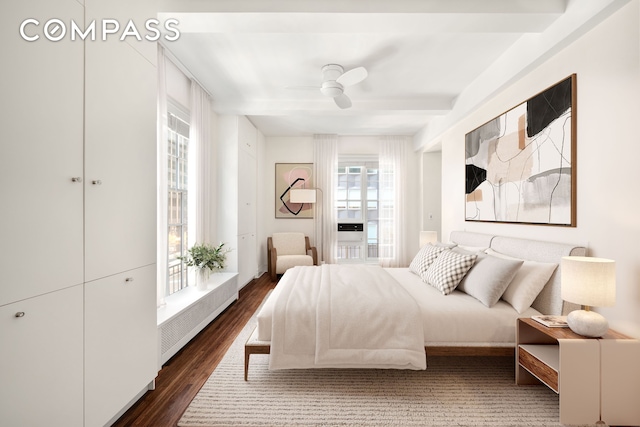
(607, 63)
(300, 150)
(432, 192)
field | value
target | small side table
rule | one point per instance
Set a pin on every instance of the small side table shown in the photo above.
(596, 378)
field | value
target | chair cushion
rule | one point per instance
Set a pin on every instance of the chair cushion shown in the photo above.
(289, 243)
(285, 262)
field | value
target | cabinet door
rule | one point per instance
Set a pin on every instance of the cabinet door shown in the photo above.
(42, 137)
(247, 259)
(121, 347)
(247, 135)
(41, 369)
(120, 159)
(246, 193)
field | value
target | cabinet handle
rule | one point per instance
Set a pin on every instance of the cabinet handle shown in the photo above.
(76, 179)
(129, 279)
(20, 314)
(96, 182)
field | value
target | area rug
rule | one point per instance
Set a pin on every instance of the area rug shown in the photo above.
(452, 391)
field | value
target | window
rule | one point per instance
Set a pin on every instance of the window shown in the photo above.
(178, 197)
(357, 203)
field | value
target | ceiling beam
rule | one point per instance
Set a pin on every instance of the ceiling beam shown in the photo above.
(362, 23)
(432, 105)
(376, 6)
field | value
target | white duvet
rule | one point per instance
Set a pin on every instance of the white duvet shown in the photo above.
(345, 316)
(457, 319)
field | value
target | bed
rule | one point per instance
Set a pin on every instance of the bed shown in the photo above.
(477, 317)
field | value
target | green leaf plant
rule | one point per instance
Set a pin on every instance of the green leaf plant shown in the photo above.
(206, 257)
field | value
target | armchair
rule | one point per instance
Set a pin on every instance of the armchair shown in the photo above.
(286, 250)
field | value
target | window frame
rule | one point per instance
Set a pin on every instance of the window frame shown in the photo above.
(366, 251)
(178, 183)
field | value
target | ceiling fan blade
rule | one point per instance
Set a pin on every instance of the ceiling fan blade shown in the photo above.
(342, 101)
(302, 87)
(352, 76)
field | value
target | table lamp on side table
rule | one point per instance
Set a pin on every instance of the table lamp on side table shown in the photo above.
(428, 237)
(589, 282)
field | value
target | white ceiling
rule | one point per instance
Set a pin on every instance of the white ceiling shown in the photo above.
(421, 55)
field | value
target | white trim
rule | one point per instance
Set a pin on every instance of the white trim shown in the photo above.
(171, 57)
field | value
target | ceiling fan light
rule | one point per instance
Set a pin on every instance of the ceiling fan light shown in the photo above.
(331, 89)
(331, 72)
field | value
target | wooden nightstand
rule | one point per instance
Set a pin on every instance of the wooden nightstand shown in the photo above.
(596, 378)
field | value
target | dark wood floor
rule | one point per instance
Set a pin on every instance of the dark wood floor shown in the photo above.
(184, 374)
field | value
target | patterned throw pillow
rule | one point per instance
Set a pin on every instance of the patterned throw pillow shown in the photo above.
(447, 270)
(425, 258)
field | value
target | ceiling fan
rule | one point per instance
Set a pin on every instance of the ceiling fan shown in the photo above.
(335, 79)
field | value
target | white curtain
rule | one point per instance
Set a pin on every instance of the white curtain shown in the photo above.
(392, 180)
(325, 158)
(162, 202)
(200, 146)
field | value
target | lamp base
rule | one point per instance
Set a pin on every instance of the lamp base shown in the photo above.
(587, 323)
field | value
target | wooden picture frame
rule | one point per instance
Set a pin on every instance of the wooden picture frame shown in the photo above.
(520, 167)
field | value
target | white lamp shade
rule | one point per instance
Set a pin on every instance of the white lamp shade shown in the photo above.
(428, 237)
(303, 195)
(588, 281)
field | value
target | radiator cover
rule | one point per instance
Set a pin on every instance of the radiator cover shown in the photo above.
(177, 331)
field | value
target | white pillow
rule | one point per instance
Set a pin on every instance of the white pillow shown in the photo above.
(528, 282)
(445, 245)
(426, 255)
(489, 277)
(447, 270)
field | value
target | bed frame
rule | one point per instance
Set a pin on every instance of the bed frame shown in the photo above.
(549, 301)
(255, 346)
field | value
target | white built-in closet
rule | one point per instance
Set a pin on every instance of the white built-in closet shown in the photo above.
(78, 224)
(237, 165)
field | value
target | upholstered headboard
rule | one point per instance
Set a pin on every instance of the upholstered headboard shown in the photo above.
(549, 300)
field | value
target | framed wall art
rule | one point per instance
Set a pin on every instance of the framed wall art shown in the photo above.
(521, 166)
(288, 177)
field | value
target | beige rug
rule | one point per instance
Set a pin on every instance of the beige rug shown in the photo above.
(453, 391)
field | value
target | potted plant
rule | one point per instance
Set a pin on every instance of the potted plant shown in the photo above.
(205, 258)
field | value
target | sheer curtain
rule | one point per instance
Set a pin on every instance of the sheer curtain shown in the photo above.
(325, 158)
(392, 169)
(162, 214)
(200, 141)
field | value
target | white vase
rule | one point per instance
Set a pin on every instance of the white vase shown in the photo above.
(202, 278)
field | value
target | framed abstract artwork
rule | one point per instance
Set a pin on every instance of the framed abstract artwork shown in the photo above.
(521, 166)
(288, 177)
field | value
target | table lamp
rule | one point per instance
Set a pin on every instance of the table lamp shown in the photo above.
(303, 195)
(428, 237)
(589, 282)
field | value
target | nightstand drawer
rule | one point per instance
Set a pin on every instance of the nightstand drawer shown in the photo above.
(542, 362)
